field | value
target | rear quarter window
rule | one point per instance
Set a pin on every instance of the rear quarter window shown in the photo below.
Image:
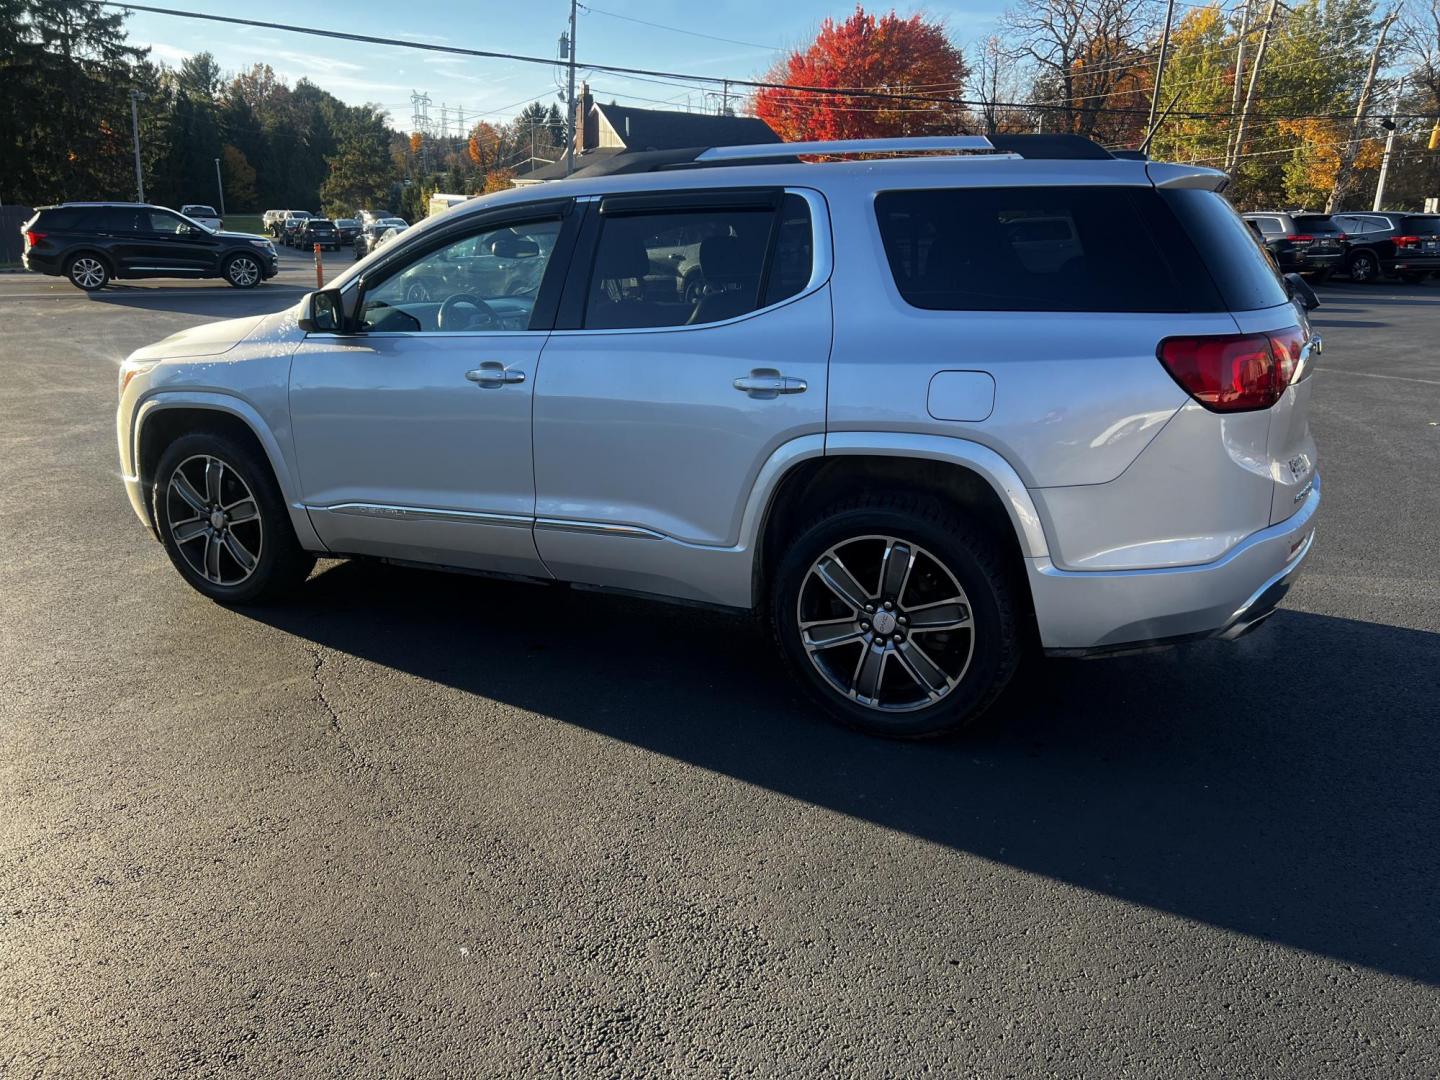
(1109, 249)
(1243, 276)
(1421, 226)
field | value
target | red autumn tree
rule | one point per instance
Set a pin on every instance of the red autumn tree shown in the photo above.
(885, 54)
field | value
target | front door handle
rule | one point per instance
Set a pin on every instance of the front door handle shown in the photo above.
(769, 383)
(492, 373)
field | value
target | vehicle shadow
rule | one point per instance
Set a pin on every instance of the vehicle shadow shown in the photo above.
(221, 301)
(1286, 786)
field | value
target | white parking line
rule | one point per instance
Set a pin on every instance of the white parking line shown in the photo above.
(1377, 375)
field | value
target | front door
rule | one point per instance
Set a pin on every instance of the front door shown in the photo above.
(655, 411)
(167, 242)
(413, 435)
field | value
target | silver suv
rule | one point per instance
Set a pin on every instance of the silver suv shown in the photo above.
(926, 412)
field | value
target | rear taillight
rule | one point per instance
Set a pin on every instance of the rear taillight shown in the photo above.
(1407, 241)
(1234, 372)
(32, 238)
(1300, 238)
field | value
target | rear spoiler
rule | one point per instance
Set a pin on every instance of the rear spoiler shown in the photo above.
(1166, 175)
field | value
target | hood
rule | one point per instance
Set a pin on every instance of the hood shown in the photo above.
(212, 339)
(225, 234)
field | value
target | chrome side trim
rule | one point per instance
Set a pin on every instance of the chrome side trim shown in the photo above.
(478, 517)
(424, 513)
(600, 528)
(172, 269)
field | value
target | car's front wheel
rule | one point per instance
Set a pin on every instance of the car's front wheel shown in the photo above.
(898, 616)
(223, 522)
(242, 271)
(88, 272)
(1364, 267)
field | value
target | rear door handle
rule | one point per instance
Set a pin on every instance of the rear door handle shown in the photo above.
(492, 373)
(769, 383)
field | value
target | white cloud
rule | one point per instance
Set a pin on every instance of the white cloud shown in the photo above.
(319, 63)
(170, 54)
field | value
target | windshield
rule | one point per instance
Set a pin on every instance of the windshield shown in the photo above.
(1317, 223)
(1421, 226)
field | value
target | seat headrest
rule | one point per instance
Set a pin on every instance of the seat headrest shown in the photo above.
(622, 256)
(723, 259)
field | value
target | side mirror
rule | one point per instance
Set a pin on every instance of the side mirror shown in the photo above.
(1299, 289)
(323, 312)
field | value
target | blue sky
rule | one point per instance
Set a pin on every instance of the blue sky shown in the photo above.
(497, 89)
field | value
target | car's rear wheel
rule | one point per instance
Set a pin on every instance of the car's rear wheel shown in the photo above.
(88, 272)
(242, 271)
(898, 616)
(223, 522)
(1364, 267)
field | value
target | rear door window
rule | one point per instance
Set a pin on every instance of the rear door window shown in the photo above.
(738, 258)
(1270, 226)
(1039, 249)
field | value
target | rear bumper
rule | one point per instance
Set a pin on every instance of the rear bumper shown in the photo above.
(1084, 613)
(39, 263)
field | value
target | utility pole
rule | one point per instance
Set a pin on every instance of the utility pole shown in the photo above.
(1389, 147)
(1160, 68)
(220, 187)
(1351, 147)
(1239, 75)
(1239, 147)
(136, 96)
(570, 97)
(725, 97)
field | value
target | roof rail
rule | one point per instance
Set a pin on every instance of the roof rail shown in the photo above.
(946, 144)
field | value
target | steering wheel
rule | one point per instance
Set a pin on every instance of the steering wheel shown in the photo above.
(452, 315)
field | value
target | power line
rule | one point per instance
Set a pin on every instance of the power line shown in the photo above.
(678, 30)
(615, 69)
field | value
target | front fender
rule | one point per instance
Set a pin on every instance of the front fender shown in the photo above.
(242, 410)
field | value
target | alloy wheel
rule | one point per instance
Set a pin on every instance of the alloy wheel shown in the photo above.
(885, 623)
(214, 520)
(244, 271)
(88, 273)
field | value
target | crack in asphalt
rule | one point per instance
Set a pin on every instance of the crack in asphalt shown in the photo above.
(336, 726)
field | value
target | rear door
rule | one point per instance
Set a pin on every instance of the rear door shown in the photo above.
(654, 413)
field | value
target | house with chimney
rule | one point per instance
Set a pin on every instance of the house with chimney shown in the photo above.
(603, 132)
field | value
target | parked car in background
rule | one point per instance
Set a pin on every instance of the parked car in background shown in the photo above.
(1391, 243)
(388, 233)
(348, 228)
(317, 230)
(1303, 243)
(292, 221)
(270, 221)
(370, 217)
(205, 215)
(368, 239)
(93, 243)
(926, 440)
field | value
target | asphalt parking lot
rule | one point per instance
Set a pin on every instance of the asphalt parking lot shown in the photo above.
(415, 825)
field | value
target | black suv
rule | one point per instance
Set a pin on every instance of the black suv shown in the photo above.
(1311, 244)
(317, 230)
(1392, 242)
(90, 243)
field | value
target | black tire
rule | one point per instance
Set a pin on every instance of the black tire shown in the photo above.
(88, 271)
(1364, 268)
(243, 271)
(991, 646)
(280, 564)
